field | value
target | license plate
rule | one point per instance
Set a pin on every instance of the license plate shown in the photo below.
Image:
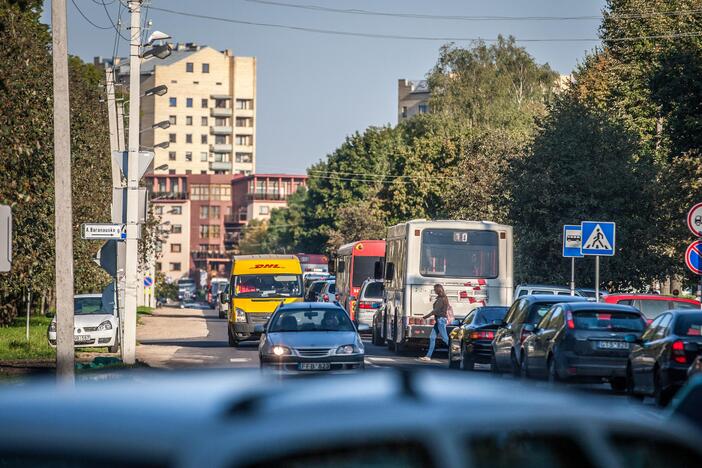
(314, 366)
(613, 345)
(81, 338)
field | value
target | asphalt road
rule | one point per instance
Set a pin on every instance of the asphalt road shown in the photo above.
(176, 338)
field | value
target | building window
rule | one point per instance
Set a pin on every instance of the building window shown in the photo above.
(171, 171)
(244, 104)
(172, 102)
(171, 156)
(209, 231)
(158, 267)
(176, 229)
(220, 140)
(203, 172)
(404, 111)
(244, 140)
(244, 157)
(220, 121)
(203, 139)
(189, 120)
(263, 210)
(423, 108)
(189, 67)
(161, 184)
(221, 157)
(205, 68)
(196, 82)
(203, 156)
(189, 102)
(203, 121)
(188, 171)
(219, 83)
(188, 156)
(175, 266)
(221, 103)
(172, 119)
(172, 137)
(209, 212)
(176, 210)
(189, 138)
(175, 248)
(244, 122)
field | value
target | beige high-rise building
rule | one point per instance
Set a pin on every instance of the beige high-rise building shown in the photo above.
(211, 106)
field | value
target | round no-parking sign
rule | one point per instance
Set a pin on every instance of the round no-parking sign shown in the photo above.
(694, 219)
(693, 257)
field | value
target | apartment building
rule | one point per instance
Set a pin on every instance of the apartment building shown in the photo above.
(412, 98)
(211, 107)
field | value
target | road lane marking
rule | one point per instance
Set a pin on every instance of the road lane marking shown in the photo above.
(239, 359)
(380, 359)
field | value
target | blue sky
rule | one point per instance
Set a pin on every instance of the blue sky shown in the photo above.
(315, 89)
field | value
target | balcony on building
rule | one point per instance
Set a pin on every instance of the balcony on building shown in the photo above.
(221, 148)
(268, 195)
(155, 196)
(221, 166)
(221, 112)
(221, 130)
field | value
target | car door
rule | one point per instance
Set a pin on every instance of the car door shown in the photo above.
(504, 338)
(639, 354)
(543, 334)
(653, 349)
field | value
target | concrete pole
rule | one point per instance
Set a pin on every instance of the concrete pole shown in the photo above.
(63, 206)
(132, 247)
(120, 127)
(111, 113)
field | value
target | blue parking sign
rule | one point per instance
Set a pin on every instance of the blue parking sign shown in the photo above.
(598, 238)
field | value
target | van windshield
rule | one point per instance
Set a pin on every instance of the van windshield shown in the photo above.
(267, 286)
(459, 253)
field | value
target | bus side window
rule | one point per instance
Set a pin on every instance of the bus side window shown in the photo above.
(389, 271)
(341, 266)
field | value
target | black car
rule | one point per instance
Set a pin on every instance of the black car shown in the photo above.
(471, 341)
(660, 359)
(582, 342)
(312, 293)
(527, 310)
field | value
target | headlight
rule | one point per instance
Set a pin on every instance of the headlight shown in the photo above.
(240, 315)
(348, 349)
(281, 350)
(106, 325)
(52, 327)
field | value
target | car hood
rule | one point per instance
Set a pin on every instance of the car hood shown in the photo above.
(312, 339)
(91, 320)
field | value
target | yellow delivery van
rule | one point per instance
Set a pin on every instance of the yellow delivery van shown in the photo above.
(259, 283)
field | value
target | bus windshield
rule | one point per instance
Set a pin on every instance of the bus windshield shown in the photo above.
(459, 253)
(268, 286)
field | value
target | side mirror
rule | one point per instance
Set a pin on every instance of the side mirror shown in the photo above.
(692, 347)
(529, 328)
(389, 271)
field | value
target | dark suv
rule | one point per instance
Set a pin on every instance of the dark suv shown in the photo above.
(527, 310)
(582, 342)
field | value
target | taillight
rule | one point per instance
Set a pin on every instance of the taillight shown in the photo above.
(679, 352)
(365, 305)
(569, 320)
(325, 298)
(482, 335)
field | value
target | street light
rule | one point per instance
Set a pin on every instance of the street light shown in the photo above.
(162, 167)
(164, 124)
(157, 36)
(160, 51)
(159, 90)
(163, 144)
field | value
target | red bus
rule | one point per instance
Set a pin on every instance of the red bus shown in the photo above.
(316, 263)
(355, 263)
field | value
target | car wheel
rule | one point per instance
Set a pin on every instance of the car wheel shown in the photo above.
(233, 342)
(113, 349)
(553, 377)
(467, 362)
(494, 370)
(619, 384)
(661, 395)
(524, 367)
(451, 363)
(515, 366)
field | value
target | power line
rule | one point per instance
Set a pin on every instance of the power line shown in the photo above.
(355, 11)
(114, 26)
(412, 38)
(86, 18)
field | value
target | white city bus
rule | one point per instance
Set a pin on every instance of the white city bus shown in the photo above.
(473, 260)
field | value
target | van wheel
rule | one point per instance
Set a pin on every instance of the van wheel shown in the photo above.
(233, 342)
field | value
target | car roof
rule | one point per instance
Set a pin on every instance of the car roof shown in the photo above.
(601, 306)
(684, 311)
(533, 298)
(653, 297)
(309, 305)
(543, 286)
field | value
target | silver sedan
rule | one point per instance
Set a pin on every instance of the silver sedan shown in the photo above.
(311, 336)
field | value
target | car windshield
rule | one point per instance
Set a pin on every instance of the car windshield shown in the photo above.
(363, 268)
(373, 291)
(537, 311)
(608, 321)
(268, 286)
(88, 305)
(488, 315)
(689, 325)
(459, 253)
(314, 320)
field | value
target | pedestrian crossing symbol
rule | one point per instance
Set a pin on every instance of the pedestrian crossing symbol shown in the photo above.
(598, 238)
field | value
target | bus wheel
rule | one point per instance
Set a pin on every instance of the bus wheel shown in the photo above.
(400, 344)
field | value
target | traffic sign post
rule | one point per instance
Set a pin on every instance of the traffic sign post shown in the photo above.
(572, 242)
(5, 238)
(598, 239)
(693, 254)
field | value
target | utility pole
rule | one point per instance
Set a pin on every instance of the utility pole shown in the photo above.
(132, 247)
(63, 206)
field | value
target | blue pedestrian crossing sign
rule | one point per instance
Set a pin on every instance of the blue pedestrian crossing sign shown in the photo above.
(598, 238)
(572, 241)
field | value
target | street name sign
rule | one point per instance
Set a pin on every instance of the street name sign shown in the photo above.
(5, 238)
(598, 238)
(104, 231)
(693, 257)
(572, 241)
(694, 220)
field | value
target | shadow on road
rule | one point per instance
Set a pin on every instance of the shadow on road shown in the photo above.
(186, 343)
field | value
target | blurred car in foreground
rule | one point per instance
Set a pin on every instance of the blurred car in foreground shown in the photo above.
(471, 341)
(661, 357)
(370, 299)
(652, 305)
(389, 419)
(527, 310)
(582, 342)
(95, 324)
(310, 336)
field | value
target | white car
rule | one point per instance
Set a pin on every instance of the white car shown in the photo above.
(94, 325)
(328, 292)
